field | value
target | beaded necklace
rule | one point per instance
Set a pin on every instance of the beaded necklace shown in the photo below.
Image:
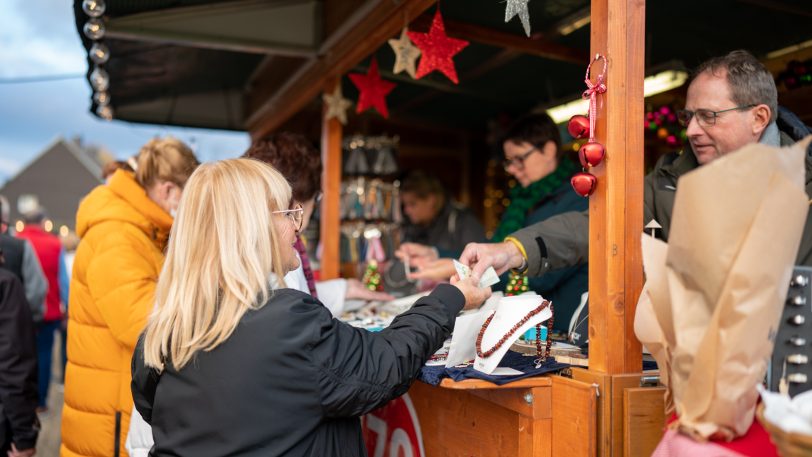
(541, 358)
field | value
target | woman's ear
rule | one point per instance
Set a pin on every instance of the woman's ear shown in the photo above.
(549, 149)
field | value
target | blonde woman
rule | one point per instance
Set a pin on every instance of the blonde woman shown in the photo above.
(230, 365)
(124, 227)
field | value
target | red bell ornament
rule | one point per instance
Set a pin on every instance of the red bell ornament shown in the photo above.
(578, 126)
(591, 154)
(584, 183)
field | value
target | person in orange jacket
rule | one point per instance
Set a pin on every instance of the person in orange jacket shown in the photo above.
(124, 227)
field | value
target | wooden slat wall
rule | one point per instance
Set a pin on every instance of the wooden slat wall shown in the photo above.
(616, 207)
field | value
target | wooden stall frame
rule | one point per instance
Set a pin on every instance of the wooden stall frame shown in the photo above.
(616, 207)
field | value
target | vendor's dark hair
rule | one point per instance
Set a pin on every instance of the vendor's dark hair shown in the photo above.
(422, 184)
(536, 129)
(295, 157)
(749, 80)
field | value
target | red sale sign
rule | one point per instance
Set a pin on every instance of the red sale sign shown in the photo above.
(393, 430)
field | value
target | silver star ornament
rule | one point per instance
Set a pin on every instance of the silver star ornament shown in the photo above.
(518, 7)
(406, 54)
(336, 105)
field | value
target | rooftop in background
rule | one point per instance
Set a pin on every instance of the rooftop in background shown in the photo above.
(56, 180)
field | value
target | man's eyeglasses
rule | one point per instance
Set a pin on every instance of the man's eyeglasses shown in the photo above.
(518, 161)
(705, 117)
(296, 215)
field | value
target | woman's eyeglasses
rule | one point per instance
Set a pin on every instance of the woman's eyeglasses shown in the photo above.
(296, 215)
(518, 161)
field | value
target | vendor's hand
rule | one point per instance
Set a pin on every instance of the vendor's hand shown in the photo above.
(418, 254)
(356, 290)
(474, 295)
(437, 270)
(14, 452)
(500, 256)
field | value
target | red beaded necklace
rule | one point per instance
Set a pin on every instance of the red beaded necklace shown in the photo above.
(533, 312)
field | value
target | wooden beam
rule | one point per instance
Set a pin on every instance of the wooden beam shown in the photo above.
(538, 45)
(348, 46)
(332, 135)
(616, 207)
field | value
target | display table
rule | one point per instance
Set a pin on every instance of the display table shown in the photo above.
(541, 416)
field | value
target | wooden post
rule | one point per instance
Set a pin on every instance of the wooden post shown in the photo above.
(616, 207)
(332, 135)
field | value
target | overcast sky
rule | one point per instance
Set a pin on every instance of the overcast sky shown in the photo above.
(38, 38)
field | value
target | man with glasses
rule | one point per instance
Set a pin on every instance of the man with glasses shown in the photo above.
(732, 101)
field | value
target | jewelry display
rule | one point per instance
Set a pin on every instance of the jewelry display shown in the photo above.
(541, 357)
(513, 316)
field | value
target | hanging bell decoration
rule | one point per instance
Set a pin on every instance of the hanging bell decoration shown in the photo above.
(578, 126)
(591, 154)
(584, 183)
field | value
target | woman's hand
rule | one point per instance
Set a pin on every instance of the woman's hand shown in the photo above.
(437, 270)
(356, 290)
(418, 254)
(474, 295)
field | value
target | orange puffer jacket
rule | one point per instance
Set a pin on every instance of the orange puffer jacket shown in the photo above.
(112, 290)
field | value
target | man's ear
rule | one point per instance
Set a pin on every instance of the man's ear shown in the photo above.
(761, 118)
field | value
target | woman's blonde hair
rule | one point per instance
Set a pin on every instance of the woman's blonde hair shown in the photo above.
(164, 159)
(223, 252)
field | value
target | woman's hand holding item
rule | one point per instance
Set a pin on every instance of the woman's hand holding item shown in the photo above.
(417, 254)
(474, 295)
(436, 270)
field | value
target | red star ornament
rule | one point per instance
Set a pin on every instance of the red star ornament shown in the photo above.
(373, 90)
(438, 49)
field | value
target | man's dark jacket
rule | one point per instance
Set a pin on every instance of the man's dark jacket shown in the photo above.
(290, 381)
(18, 367)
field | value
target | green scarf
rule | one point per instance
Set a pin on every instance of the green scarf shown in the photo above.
(523, 199)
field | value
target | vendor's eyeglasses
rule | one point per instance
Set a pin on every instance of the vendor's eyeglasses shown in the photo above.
(296, 215)
(518, 161)
(705, 117)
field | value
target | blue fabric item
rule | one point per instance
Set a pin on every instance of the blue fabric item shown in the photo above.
(45, 349)
(63, 279)
(512, 359)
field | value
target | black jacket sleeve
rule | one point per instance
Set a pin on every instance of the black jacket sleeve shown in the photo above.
(144, 382)
(358, 371)
(18, 364)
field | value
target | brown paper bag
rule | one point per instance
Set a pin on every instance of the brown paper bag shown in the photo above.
(716, 291)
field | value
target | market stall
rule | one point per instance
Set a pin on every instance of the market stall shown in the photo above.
(296, 82)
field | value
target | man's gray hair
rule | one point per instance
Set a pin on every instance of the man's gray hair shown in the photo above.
(749, 81)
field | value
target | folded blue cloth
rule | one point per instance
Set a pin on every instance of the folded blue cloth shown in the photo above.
(512, 359)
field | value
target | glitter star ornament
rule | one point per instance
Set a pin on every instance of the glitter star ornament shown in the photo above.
(336, 105)
(438, 50)
(406, 54)
(373, 90)
(518, 8)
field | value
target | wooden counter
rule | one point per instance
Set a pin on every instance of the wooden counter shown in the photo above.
(539, 417)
